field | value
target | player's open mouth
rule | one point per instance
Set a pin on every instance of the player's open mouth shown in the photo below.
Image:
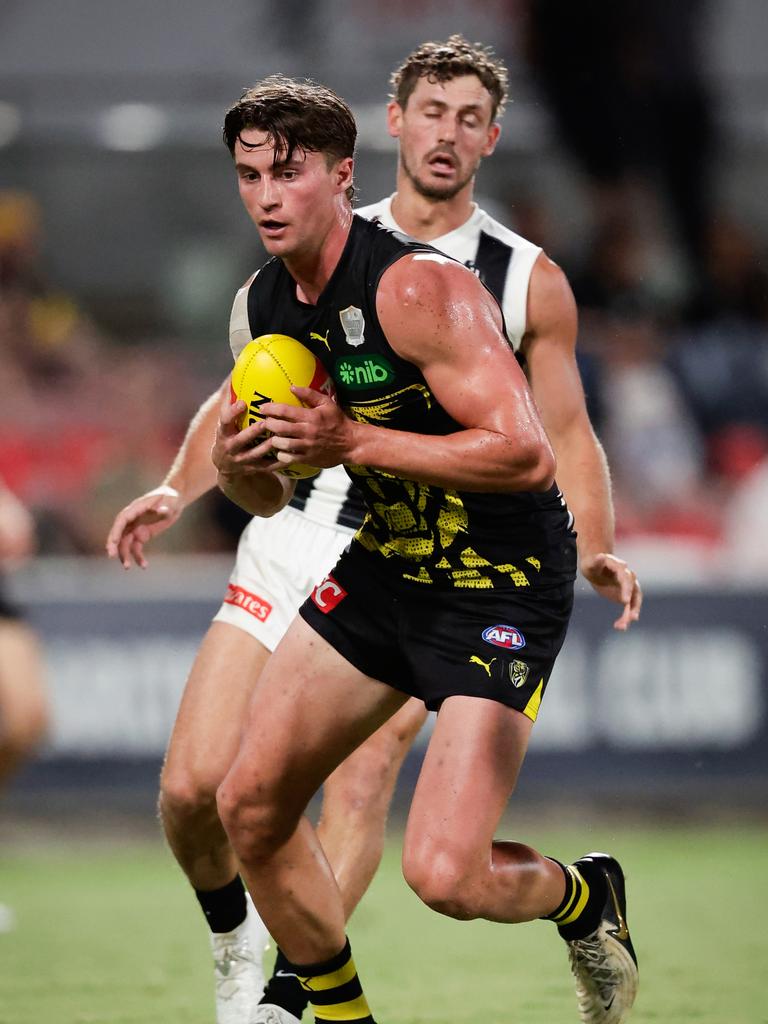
(442, 163)
(271, 227)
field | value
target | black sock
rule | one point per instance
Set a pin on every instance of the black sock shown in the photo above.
(224, 908)
(284, 989)
(581, 910)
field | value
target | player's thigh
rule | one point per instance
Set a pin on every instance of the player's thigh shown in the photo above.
(23, 700)
(468, 774)
(209, 723)
(311, 708)
(367, 777)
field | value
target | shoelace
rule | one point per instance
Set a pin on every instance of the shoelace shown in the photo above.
(590, 955)
(231, 956)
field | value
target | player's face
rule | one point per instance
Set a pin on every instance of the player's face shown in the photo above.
(291, 202)
(445, 131)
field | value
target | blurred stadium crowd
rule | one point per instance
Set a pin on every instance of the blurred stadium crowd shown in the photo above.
(672, 287)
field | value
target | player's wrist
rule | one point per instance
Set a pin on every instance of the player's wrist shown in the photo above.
(174, 494)
(362, 436)
(168, 490)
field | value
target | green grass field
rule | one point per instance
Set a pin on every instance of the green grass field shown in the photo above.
(108, 934)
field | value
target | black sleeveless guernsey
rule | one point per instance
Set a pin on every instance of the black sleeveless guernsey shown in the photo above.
(424, 534)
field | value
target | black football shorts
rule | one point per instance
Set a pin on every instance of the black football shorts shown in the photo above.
(433, 644)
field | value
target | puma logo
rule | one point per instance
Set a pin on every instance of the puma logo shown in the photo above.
(474, 660)
(319, 337)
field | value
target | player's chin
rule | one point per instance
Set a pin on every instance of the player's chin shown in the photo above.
(439, 188)
(276, 242)
(276, 246)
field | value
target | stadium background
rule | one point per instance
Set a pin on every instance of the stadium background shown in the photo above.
(634, 149)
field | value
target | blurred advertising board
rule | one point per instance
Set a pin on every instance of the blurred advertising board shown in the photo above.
(681, 698)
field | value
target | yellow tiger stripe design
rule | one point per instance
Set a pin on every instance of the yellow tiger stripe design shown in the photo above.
(380, 410)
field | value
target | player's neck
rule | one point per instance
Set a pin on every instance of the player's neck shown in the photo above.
(427, 219)
(312, 270)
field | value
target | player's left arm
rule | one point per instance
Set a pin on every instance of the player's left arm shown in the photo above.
(549, 346)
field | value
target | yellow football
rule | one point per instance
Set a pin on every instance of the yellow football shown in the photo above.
(264, 372)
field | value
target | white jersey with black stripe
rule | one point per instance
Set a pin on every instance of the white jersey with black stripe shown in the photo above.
(502, 259)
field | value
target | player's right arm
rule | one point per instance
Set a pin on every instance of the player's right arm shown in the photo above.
(190, 476)
(437, 315)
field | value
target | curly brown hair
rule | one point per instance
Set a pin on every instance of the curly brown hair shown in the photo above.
(440, 62)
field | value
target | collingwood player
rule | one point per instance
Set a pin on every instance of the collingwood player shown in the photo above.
(447, 97)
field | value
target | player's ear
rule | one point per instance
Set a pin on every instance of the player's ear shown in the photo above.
(394, 118)
(494, 131)
(345, 170)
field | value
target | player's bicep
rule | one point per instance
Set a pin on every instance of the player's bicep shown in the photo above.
(439, 317)
(482, 386)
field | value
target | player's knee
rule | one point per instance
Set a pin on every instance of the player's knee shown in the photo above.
(255, 820)
(186, 796)
(440, 879)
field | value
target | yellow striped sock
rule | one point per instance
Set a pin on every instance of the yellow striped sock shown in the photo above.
(334, 990)
(575, 898)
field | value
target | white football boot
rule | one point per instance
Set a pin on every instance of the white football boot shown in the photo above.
(604, 963)
(238, 968)
(271, 1014)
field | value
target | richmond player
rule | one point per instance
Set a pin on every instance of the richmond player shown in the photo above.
(443, 136)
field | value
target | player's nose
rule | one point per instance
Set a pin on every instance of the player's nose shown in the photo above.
(267, 195)
(447, 129)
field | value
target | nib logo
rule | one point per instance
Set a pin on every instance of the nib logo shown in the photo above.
(357, 372)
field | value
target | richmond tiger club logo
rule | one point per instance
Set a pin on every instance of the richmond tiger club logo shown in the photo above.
(508, 637)
(518, 673)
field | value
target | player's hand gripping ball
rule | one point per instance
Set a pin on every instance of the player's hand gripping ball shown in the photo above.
(264, 372)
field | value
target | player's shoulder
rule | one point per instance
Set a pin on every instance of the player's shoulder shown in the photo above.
(427, 281)
(239, 321)
(545, 274)
(488, 225)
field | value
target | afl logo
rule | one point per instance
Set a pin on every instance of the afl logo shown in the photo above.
(508, 637)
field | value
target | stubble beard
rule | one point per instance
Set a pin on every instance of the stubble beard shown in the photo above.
(436, 193)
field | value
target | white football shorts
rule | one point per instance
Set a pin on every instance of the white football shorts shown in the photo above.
(279, 561)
